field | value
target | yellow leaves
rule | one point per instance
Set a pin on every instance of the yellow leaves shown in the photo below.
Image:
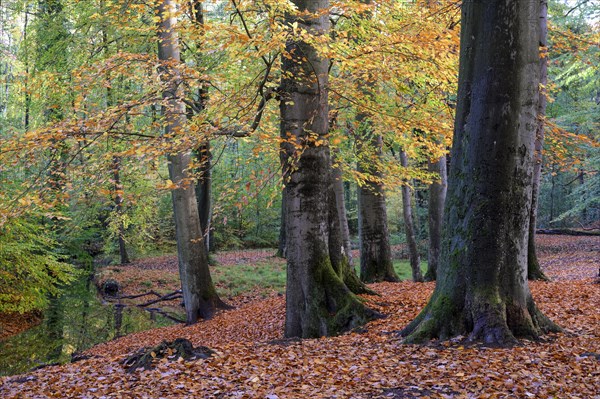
(168, 185)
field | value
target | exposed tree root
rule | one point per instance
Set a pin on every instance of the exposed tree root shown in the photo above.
(493, 325)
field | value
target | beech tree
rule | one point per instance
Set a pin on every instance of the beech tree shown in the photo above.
(435, 215)
(534, 271)
(199, 294)
(375, 251)
(340, 249)
(409, 226)
(482, 289)
(318, 302)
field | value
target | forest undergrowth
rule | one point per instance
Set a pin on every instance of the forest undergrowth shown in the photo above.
(252, 359)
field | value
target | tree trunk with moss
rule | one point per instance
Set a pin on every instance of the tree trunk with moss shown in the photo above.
(534, 271)
(339, 237)
(199, 293)
(409, 226)
(374, 238)
(318, 303)
(482, 291)
(437, 197)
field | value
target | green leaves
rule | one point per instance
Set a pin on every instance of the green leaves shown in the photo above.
(29, 269)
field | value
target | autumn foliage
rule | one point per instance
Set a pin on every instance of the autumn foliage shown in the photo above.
(253, 361)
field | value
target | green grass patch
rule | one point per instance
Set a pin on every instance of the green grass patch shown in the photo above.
(268, 276)
(237, 279)
(404, 271)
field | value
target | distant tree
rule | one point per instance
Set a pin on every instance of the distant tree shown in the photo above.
(374, 237)
(482, 290)
(409, 226)
(437, 198)
(534, 271)
(340, 250)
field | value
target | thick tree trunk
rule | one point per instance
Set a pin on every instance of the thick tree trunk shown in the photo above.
(482, 290)
(375, 251)
(318, 302)
(199, 294)
(409, 226)
(437, 197)
(534, 271)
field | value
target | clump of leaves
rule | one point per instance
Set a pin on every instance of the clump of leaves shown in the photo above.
(30, 270)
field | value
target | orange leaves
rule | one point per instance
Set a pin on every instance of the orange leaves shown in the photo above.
(564, 148)
(253, 361)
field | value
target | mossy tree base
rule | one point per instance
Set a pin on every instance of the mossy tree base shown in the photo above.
(353, 282)
(483, 320)
(534, 270)
(330, 308)
(377, 273)
(482, 292)
(430, 276)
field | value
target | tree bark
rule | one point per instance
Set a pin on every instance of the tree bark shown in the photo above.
(534, 271)
(282, 244)
(482, 291)
(375, 251)
(318, 302)
(203, 191)
(337, 183)
(437, 197)
(119, 209)
(409, 226)
(199, 294)
(339, 237)
(203, 188)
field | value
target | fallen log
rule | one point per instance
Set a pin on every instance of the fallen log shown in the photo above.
(568, 232)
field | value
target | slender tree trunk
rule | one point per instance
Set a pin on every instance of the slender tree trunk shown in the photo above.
(26, 82)
(534, 271)
(203, 190)
(338, 191)
(318, 302)
(282, 245)
(119, 209)
(437, 197)
(552, 192)
(203, 154)
(199, 294)
(285, 152)
(409, 226)
(482, 291)
(116, 168)
(339, 237)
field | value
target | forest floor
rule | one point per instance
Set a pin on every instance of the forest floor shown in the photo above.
(253, 361)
